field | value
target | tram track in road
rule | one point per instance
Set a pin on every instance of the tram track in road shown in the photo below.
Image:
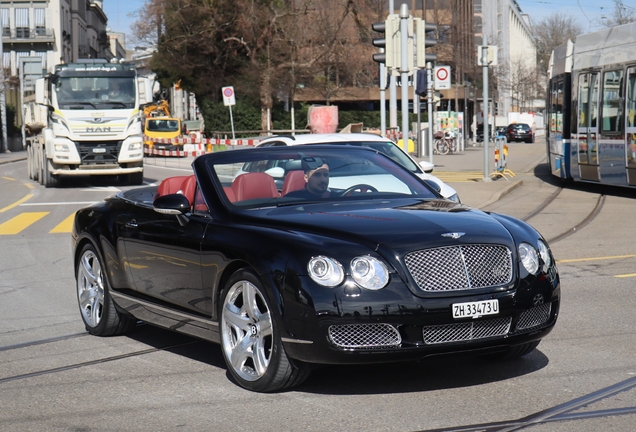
(72, 366)
(600, 202)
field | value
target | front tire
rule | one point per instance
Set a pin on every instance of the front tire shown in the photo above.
(98, 311)
(250, 339)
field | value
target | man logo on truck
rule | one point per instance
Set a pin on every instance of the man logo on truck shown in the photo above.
(97, 129)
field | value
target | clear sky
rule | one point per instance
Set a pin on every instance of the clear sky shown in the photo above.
(590, 14)
(122, 14)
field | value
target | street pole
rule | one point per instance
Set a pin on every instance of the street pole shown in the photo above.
(382, 96)
(429, 96)
(404, 30)
(484, 63)
(392, 86)
(4, 145)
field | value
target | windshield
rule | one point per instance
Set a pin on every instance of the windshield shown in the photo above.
(95, 92)
(159, 125)
(275, 176)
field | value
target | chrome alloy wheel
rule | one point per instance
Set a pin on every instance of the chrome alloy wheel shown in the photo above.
(90, 288)
(247, 331)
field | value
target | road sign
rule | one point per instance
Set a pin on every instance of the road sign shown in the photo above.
(442, 77)
(228, 96)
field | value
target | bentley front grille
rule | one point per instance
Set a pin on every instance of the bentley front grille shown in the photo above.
(364, 336)
(462, 267)
(534, 317)
(466, 331)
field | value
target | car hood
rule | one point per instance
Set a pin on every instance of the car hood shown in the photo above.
(404, 227)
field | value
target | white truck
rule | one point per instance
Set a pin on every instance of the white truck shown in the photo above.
(85, 120)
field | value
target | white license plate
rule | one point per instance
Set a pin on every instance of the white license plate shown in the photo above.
(475, 309)
(99, 150)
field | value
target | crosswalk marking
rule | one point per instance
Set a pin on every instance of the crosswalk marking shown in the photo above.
(459, 176)
(65, 226)
(20, 222)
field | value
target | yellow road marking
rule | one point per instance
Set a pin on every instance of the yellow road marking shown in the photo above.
(461, 176)
(17, 203)
(29, 185)
(595, 258)
(20, 222)
(626, 275)
(8, 178)
(66, 226)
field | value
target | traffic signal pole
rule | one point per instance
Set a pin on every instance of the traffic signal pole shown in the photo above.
(392, 86)
(404, 73)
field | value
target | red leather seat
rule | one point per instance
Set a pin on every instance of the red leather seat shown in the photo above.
(187, 188)
(254, 185)
(294, 180)
(229, 193)
(170, 185)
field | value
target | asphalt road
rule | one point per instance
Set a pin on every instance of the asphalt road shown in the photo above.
(54, 377)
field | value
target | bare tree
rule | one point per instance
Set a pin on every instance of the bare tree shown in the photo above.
(622, 15)
(552, 32)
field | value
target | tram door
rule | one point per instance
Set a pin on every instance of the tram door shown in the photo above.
(630, 126)
(586, 143)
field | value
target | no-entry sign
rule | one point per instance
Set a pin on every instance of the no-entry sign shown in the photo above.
(442, 77)
(228, 96)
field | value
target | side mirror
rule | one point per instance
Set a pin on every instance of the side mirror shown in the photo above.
(173, 204)
(427, 167)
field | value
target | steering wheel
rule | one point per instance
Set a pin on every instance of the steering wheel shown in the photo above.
(362, 188)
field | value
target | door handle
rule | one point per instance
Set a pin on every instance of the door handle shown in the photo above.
(132, 224)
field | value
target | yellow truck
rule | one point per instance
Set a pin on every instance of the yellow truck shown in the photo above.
(159, 123)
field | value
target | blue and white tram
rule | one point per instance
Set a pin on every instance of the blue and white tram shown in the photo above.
(592, 108)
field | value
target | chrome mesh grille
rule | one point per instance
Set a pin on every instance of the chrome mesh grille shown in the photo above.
(466, 331)
(357, 336)
(460, 267)
(534, 317)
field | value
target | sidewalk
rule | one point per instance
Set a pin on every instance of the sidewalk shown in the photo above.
(12, 156)
(522, 159)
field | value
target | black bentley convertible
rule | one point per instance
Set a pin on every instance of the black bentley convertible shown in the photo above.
(376, 267)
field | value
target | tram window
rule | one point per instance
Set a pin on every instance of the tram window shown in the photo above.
(594, 101)
(584, 94)
(612, 112)
(631, 100)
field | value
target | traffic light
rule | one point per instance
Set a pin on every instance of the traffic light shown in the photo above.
(390, 43)
(422, 42)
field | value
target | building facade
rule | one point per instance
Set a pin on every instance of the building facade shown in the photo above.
(57, 31)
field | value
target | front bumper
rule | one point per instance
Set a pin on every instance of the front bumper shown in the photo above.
(386, 326)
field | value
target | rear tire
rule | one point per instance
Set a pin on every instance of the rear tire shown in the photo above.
(30, 162)
(98, 311)
(250, 339)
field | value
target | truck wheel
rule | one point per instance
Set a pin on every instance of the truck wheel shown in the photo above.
(49, 180)
(133, 179)
(40, 166)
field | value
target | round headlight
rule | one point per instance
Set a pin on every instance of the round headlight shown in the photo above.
(544, 253)
(325, 271)
(369, 272)
(529, 258)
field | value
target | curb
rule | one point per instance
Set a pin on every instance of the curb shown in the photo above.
(12, 159)
(497, 195)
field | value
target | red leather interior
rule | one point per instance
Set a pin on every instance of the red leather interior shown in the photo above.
(254, 185)
(229, 193)
(170, 185)
(294, 180)
(187, 188)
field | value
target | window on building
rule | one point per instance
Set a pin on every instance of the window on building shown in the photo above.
(4, 19)
(22, 30)
(40, 21)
